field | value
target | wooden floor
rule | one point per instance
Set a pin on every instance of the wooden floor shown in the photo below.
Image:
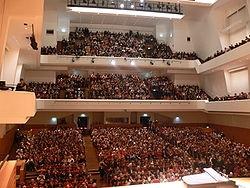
(92, 162)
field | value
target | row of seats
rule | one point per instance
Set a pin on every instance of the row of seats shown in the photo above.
(141, 155)
(83, 42)
(115, 86)
(57, 155)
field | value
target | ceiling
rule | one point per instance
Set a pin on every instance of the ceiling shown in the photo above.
(191, 11)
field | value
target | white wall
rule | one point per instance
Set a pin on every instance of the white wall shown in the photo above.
(9, 66)
(181, 30)
(163, 31)
(40, 76)
(114, 28)
(214, 84)
(205, 35)
(239, 81)
(50, 22)
(186, 79)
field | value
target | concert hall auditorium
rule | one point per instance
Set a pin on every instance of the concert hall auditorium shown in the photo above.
(125, 93)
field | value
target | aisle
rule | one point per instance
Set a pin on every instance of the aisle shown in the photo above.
(92, 162)
(91, 158)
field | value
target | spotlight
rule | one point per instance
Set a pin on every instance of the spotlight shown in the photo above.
(132, 6)
(132, 63)
(92, 60)
(161, 35)
(151, 62)
(73, 59)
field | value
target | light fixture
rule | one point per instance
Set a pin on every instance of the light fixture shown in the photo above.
(83, 115)
(122, 5)
(171, 35)
(126, 12)
(151, 62)
(141, 1)
(63, 30)
(132, 63)
(53, 120)
(177, 119)
(206, 1)
(161, 35)
(113, 62)
(132, 6)
(93, 60)
(145, 115)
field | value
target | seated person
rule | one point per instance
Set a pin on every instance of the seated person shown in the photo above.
(21, 86)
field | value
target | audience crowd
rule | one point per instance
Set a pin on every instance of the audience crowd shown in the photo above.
(115, 86)
(231, 47)
(141, 155)
(210, 149)
(240, 96)
(84, 42)
(57, 155)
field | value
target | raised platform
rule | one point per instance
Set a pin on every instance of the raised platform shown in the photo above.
(16, 106)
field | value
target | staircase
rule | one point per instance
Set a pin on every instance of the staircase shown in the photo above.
(31, 175)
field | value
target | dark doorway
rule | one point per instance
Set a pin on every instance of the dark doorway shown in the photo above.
(82, 122)
(145, 121)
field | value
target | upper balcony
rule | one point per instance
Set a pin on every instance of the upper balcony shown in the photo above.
(229, 60)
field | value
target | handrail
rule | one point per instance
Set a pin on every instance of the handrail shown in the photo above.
(3, 161)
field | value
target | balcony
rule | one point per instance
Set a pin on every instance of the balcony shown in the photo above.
(94, 61)
(95, 105)
(16, 107)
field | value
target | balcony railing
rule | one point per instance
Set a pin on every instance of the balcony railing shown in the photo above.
(162, 7)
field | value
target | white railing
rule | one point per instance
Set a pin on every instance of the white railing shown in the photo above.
(228, 57)
(99, 61)
(141, 105)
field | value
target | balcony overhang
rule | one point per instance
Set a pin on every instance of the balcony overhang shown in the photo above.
(126, 12)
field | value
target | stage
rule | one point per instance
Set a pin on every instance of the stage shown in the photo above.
(240, 182)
